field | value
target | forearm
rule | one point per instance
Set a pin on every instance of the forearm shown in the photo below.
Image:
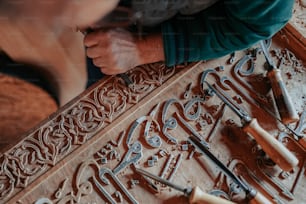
(151, 48)
(223, 28)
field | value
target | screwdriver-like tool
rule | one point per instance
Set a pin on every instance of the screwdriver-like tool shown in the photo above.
(253, 195)
(196, 195)
(282, 98)
(272, 147)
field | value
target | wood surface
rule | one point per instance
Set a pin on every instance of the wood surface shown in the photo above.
(76, 155)
(293, 35)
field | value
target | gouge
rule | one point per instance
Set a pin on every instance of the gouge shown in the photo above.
(253, 195)
(282, 98)
(276, 150)
(196, 195)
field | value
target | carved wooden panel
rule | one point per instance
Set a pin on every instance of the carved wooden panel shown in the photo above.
(294, 33)
(87, 151)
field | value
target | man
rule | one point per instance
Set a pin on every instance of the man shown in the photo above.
(191, 30)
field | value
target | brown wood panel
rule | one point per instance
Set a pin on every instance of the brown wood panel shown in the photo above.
(71, 156)
(76, 155)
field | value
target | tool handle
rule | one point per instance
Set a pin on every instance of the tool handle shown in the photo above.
(302, 142)
(282, 98)
(199, 196)
(275, 149)
(259, 198)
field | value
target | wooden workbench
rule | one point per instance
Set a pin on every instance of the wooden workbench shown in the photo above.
(87, 150)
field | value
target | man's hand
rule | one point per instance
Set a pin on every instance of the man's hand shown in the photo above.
(116, 51)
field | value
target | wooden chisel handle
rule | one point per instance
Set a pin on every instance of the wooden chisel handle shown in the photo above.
(282, 98)
(272, 147)
(259, 198)
(200, 197)
(302, 142)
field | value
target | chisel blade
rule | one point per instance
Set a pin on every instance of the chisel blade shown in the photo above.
(197, 144)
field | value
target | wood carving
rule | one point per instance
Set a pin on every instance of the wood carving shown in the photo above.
(72, 127)
(87, 152)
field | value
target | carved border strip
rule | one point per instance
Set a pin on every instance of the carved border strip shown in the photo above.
(75, 124)
(291, 38)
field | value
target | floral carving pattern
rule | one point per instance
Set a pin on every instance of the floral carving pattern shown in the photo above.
(65, 132)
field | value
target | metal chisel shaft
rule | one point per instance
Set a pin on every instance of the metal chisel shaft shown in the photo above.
(254, 196)
(196, 195)
(282, 98)
(272, 147)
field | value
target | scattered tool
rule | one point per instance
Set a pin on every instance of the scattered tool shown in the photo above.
(253, 96)
(196, 195)
(232, 58)
(253, 195)
(301, 138)
(282, 98)
(272, 147)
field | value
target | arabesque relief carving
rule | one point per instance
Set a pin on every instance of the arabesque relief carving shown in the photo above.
(153, 141)
(74, 126)
(156, 137)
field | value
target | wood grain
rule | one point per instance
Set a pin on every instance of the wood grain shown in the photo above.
(77, 154)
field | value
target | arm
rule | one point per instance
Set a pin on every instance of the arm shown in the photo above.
(117, 51)
(225, 27)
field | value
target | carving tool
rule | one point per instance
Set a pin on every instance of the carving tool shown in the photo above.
(272, 147)
(105, 179)
(282, 98)
(196, 195)
(216, 123)
(133, 155)
(301, 138)
(232, 58)
(253, 99)
(274, 181)
(253, 195)
(251, 174)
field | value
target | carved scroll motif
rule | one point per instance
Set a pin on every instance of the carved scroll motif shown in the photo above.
(84, 187)
(192, 110)
(287, 58)
(65, 132)
(157, 131)
(151, 124)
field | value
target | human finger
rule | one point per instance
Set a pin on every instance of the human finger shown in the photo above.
(99, 62)
(92, 39)
(95, 51)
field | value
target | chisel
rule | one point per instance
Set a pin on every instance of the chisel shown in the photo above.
(272, 147)
(195, 195)
(253, 195)
(282, 98)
